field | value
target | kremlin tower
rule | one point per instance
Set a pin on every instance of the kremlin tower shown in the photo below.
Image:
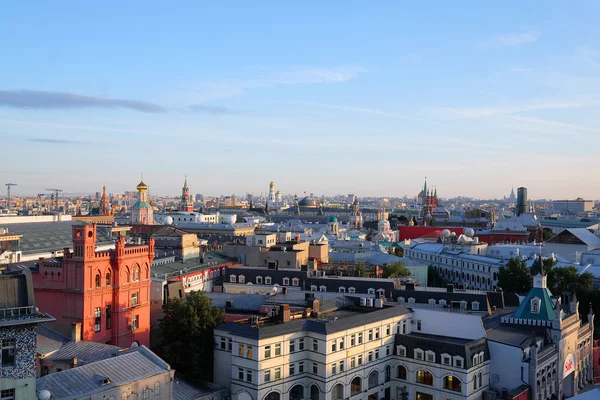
(186, 202)
(105, 209)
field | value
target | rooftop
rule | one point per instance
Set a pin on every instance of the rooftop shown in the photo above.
(347, 319)
(45, 237)
(171, 267)
(127, 367)
(57, 347)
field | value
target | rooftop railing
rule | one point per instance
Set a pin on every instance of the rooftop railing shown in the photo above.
(16, 311)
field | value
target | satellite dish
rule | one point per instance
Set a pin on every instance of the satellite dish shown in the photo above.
(274, 291)
(44, 395)
(134, 345)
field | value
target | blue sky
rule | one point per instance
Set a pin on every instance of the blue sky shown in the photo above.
(324, 97)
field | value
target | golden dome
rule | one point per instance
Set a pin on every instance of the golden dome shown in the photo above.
(278, 192)
(272, 184)
(142, 186)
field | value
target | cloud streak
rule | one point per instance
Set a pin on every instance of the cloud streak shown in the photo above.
(480, 112)
(212, 110)
(299, 76)
(508, 40)
(39, 100)
(58, 141)
(365, 111)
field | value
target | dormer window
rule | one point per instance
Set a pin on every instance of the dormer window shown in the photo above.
(463, 305)
(286, 281)
(475, 305)
(342, 289)
(241, 279)
(442, 302)
(313, 288)
(323, 288)
(431, 302)
(401, 350)
(232, 278)
(430, 356)
(259, 280)
(536, 304)
(418, 354)
(295, 282)
(351, 290)
(371, 291)
(401, 300)
(268, 280)
(411, 300)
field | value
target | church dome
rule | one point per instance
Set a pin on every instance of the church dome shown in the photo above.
(307, 202)
(272, 184)
(333, 219)
(142, 186)
(278, 192)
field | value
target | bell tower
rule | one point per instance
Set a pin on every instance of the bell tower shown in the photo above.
(84, 241)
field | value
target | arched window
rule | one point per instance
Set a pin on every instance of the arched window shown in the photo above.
(314, 392)
(388, 373)
(146, 393)
(157, 388)
(480, 378)
(355, 386)
(373, 379)
(108, 281)
(338, 392)
(147, 272)
(273, 396)
(452, 383)
(401, 372)
(297, 393)
(97, 280)
(425, 377)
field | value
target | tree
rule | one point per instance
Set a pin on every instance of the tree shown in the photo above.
(187, 335)
(369, 235)
(434, 278)
(515, 276)
(565, 279)
(395, 269)
(361, 270)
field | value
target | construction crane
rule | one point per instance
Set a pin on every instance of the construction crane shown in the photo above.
(56, 192)
(8, 185)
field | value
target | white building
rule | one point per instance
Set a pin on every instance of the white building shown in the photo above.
(577, 206)
(373, 353)
(275, 200)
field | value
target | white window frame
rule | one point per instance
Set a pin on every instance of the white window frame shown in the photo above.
(267, 280)
(475, 306)
(241, 279)
(295, 282)
(401, 350)
(313, 288)
(259, 280)
(430, 355)
(431, 302)
(351, 290)
(446, 359)
(370, 291)
(419, 354)
(286, 281)
(232, 278)
(342, 289)
(322, 288)
(458, 362)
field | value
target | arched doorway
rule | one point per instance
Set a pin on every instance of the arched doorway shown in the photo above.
(338, 392)
(373, 379)
(314, 392)
(355, 386)
(273, 396)
(297, 393)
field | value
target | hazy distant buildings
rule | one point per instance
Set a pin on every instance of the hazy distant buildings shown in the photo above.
(576, 206)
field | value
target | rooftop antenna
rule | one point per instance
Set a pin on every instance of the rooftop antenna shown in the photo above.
(8, 185)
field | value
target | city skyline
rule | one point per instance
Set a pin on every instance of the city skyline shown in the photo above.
(354, 98)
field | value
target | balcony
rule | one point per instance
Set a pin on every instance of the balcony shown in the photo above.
(16, 311)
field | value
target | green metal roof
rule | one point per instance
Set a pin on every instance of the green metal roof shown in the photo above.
(141, 204)
(546, 310)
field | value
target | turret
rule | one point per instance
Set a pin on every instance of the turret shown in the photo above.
(574, 304)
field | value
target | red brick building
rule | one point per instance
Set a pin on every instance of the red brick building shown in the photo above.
(108, 292)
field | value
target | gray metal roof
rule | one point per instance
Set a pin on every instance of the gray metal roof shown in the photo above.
(44, 237)
(321, 326)
(128, 367)
(49, 340)
(465, 348)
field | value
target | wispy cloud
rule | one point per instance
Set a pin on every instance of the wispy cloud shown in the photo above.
(212, 110)
(36, 100)
(362, 110)
(300, 76)
(556, 124)
(508, 40)
(479, 112)
(58, 141)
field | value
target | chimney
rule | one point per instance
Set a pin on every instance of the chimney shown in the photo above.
(315, 306)
(74, 362)
(450, 288)
(76, 331)
(409, 286)
(284, 313)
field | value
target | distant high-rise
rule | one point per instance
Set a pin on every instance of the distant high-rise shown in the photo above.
(521, 200)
